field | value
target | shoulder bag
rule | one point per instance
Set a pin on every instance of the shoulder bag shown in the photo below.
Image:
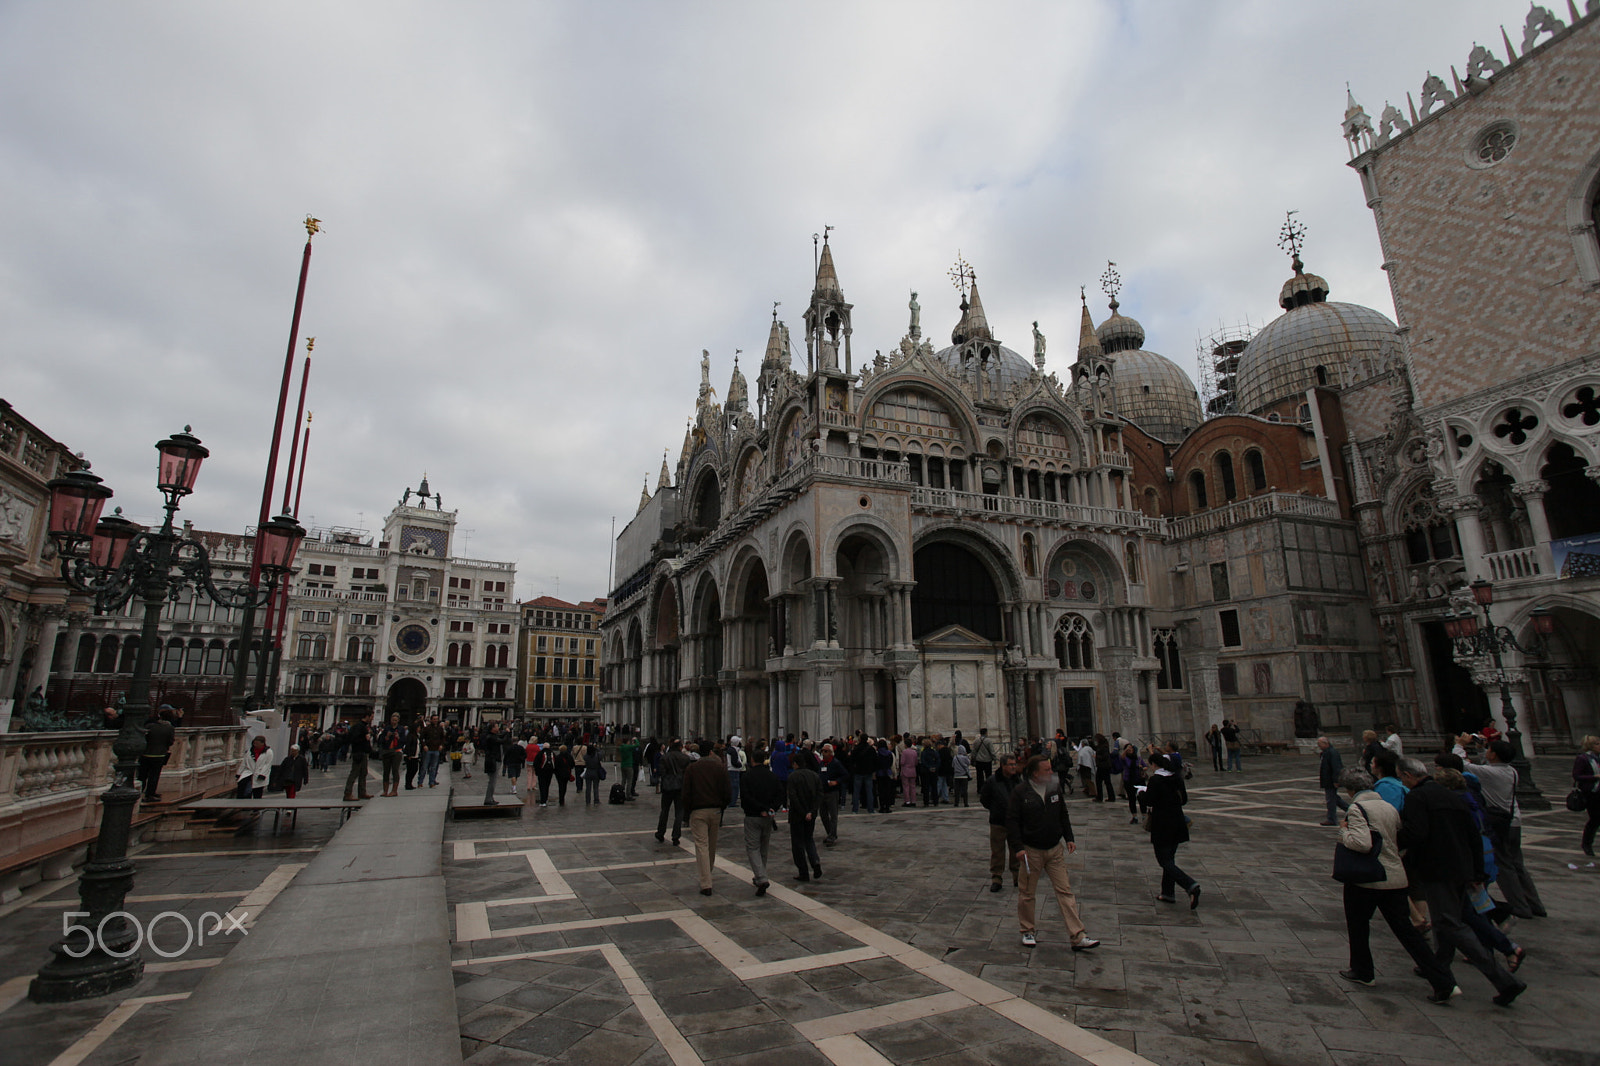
(1356, 867)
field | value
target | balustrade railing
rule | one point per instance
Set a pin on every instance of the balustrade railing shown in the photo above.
(1256, 507)
(1513, 565)
(1047, 510)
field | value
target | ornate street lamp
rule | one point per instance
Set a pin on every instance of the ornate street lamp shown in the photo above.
(1474, 642)
(113, 560)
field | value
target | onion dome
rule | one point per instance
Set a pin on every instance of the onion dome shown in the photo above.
(1155, 394)
(1310, 344)
(1119, 333)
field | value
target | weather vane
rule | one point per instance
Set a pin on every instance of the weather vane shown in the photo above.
(313, 227)
(1292, 238)
(311, 343)
(775, 305)
(962, 275)
(1111, 283)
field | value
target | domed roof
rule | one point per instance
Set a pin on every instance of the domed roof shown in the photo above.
(1284, 358)
(1119, 333)
(1006, 367)
(1311, 343)
(1155, 394)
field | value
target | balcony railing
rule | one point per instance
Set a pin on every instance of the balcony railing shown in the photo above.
(1078, 514)
(338, 594)
(865, 469)
(1256, 507)
(1513, 565)
(1119, 459)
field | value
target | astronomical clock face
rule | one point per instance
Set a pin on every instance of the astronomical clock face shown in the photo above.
(412, 639)
(749, 479)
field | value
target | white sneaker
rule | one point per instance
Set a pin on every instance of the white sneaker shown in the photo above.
(1029, 940)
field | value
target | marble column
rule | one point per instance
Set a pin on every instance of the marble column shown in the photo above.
(1533, 494)
(872, 723)
(49, 626)
(1469, 528)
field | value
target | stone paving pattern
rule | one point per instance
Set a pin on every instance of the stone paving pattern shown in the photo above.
(1251, 977)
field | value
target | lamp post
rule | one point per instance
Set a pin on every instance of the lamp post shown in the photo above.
(1491, 640)
(114, 560)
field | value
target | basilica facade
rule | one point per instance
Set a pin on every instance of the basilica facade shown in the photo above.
(954, 536)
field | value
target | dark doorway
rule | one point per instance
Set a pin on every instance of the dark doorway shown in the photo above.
(953, 588)
(407, 698)
(1077, 712)
(1463, 706)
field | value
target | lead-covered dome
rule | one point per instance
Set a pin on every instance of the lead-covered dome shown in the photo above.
(1155, 394)
(1005, 367)
(1312, 343)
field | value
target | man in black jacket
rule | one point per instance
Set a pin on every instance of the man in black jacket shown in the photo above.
(761, 795)
(1443, 856)
(158, 737)
(673, 764)
(996, 799)
(1039, 834)
(360, 736)
(805, 800)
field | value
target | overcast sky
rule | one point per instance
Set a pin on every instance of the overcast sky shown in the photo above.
(537, 215)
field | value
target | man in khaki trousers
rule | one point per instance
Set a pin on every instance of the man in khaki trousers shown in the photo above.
(707, 791)
(1039, 834)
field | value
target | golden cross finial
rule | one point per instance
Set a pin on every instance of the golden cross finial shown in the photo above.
(962, 274)
(308, 417)
(311, 342)
(313, 227)
(1292, 237)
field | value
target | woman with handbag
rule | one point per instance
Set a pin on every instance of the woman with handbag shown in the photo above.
(1164, 798)
(1367, 862)
(1586, 786)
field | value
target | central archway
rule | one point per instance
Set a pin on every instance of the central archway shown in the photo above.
(954, 587)
(408, 698)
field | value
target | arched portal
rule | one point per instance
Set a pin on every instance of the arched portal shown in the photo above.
(408, 698)
(747, 651)
(954, 587)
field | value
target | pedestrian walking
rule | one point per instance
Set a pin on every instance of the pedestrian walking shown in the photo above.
(1165, 798)
(1498, 780)
(512, 758)
(627, 765)
(469, 757)
(1444, 855)
(995, 797)
(1329, 766)
(294, 772)
(1039, 834)
(1372, 827)
(863, 762)
(433, 748)
(387, 743)
(360, 739)
(706, 793)
(159, 733)
(565, 768)
(1214, 742)
(1586, 780)
(1133, 776)
(804, 790)
(673, 765)
(411, 749)
(1105, 791)
(761, 797)
(833, 776)
(1086, 766)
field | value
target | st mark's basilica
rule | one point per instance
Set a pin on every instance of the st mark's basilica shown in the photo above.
(955, 536)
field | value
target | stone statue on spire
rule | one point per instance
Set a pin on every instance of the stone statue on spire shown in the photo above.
(1038, 347)
(915, 331)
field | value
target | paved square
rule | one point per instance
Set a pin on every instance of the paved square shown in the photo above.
(578, 938)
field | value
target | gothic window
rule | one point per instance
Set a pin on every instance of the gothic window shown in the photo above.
(1230, 490)
(1197, 491)
(1429, 535)
(1074, 643)
(1572, 505)
(1256, 467)
(1165, 645)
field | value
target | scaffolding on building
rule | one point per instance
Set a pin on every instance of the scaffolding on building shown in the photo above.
(1218, 359)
